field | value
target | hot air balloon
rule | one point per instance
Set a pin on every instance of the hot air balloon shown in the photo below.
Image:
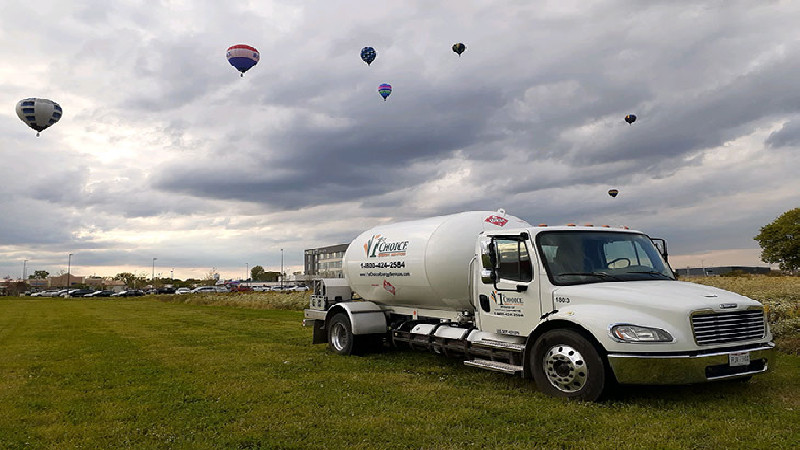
(242, 57)
(385, 89)
(630, 118)
(613, 192)
(459, 48)
(38, 113)
(368, 55)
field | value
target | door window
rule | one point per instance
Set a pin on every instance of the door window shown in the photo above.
(513, 260)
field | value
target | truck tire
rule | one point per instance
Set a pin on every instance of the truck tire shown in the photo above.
(565, 364)
(341, 339)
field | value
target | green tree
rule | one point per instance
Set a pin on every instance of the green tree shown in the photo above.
(780, 241)
(256, 273)
(130, 279)
(39, 275)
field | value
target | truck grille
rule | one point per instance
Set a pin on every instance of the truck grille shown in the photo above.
(735, 326)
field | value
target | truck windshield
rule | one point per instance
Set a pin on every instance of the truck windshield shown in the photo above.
(578, 257)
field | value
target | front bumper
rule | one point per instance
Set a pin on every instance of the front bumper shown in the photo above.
(688, 368)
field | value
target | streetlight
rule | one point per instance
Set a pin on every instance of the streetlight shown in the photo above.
(69, 266)
(153, 274)
(172, 274)
(246, 271)
(24, 267)
(281, 270)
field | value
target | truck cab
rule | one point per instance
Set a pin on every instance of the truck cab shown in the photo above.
(598, 304)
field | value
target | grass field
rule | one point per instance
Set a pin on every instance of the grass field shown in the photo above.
(177, 373)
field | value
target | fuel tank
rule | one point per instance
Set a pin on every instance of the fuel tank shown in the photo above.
(422, 263)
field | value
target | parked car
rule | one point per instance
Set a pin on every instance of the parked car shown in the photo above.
(201, 289)
(49, 293)
(100, 294)
(183, 290)
(241, 289)
(165, 290)
(300, 288)
(64, 292)
(261, 288)
(80, 292)
(129, 293)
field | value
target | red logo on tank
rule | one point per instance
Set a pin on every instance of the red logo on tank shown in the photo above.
(388, 286)
(497, 220)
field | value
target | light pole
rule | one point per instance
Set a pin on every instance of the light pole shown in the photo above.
(24, 271)
(69, 266)
(153, 274)
(281, 270)
(172, 274)
(246, 271)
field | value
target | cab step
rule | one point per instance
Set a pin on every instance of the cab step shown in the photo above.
(494, 365)
(500, 345)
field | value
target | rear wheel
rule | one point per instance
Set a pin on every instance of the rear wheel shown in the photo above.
(340, 335)
(565, 364)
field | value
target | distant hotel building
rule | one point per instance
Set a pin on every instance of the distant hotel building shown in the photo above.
(325, 262)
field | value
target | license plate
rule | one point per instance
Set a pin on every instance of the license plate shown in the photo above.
(739, 359)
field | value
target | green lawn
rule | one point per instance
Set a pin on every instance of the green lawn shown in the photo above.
(148, 374)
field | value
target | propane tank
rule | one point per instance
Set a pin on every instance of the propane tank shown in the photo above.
(422, 263)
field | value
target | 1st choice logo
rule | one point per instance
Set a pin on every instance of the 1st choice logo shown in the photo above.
(378, 246)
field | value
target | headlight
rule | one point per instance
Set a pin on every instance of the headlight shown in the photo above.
(635, 333)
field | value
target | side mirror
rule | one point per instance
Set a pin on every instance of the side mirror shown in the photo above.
(488, 276)
(488, 262)
(488, 256)
(661, 246)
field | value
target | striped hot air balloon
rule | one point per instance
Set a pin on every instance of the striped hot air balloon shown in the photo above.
(385, 89)
(39, 113)
(242, 57)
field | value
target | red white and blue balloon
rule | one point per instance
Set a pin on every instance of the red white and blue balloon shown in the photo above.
(242, 57)
(39, 113)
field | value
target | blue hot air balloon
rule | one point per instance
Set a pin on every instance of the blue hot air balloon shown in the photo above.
(242, 57)
(630, 118)
(39, 113)
(368, 55)
(385, 89)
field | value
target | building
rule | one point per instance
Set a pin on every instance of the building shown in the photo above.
(325, 262)
(61, 280)
(721, 270)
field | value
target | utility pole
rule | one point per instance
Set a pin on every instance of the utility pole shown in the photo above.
(153, 274)
(24, 269)
(246, 271)
(281, 270)
(69, 266)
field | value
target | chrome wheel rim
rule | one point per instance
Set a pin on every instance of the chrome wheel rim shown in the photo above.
(565, 368)
(339, 336)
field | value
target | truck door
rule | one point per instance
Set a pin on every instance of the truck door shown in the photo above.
(508, 301)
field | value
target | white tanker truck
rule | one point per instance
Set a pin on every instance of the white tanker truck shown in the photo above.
(576, 308)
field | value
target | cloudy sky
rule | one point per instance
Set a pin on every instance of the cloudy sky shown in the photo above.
(165, 152)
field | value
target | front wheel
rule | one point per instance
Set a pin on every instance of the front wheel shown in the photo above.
(565, 364)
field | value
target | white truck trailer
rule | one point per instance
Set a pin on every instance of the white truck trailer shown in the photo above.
(576, 308)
